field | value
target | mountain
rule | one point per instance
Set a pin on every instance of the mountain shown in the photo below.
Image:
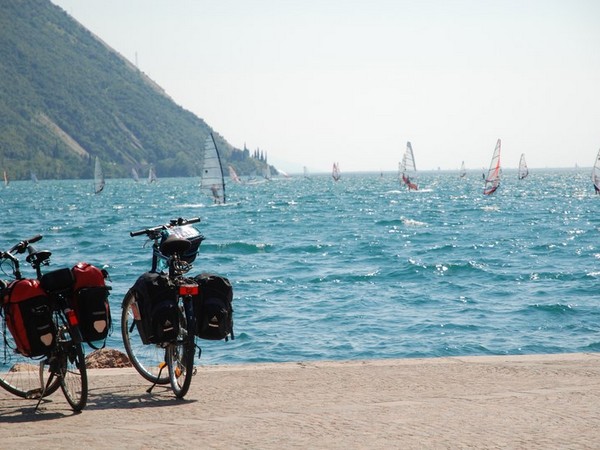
(66, 97)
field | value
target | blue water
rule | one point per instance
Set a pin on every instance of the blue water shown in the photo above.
(358, 269)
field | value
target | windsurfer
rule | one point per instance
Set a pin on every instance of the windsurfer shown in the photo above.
(215, 192)
(408, 183)
(596, 183)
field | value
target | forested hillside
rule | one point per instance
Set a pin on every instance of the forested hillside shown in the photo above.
(65, 97)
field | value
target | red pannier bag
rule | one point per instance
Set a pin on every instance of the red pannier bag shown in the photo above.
(90, 302)
(28, 313)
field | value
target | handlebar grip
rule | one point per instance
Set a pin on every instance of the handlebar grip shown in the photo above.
(36, 238)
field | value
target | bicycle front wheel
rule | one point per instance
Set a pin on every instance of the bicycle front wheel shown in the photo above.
(20, 375)
(73, 374)
(149, 360)
(180, 358)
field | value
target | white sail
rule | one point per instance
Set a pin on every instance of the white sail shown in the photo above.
(98, 177)
(151, 175)
(306, 174)
(134, 175)
(267, 172)
(523, 170)
(335, 172)
(408, 168)
(212, 172)
(492, 180)
(34, 177)
(463, 170)
(596, 174)
(233, 175)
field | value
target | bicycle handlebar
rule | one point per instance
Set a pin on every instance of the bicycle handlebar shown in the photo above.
(172, 223)
(22, 246)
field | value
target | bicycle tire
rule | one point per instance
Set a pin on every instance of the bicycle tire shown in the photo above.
(73, 374)
(149, 360)
(180, 357)
(20, 375)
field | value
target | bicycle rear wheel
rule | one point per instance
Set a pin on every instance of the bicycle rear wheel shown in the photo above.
(149, 360)
(180, 359)
(73, 374)
(20, 375)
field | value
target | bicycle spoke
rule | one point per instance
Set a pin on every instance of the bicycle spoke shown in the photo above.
(73, 375)
(148, 360)
(20, 375)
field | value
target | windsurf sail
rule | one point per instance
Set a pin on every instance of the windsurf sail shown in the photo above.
(306, 174)
(408, 168)
(335, 172)
(267, 172)
(33, 176)
(152, 175)
(596, 174)
(463, 170)
(98, 176)
(233, 175)
(212, 172)
(523, 170)
(492, 180)
(134, 175)
(5, 179)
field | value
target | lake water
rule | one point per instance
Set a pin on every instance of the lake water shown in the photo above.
(357, 269)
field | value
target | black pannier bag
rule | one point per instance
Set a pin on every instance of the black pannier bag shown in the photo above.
(156, 300)
(90, 302)
(213, 307)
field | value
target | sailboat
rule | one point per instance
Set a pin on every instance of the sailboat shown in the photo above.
(212, 172)
(492, 180)
(523, 170)
(335, 172)
(151, 175)
(408, 168)
(306, 174)
(233, 175)
(596, 174)
(98, 177)
(463, 170)
(134, 175)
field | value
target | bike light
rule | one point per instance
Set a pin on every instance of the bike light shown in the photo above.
(187, 289)
(72, 317)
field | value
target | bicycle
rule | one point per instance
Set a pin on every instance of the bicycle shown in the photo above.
(151, 341)
(60, 350)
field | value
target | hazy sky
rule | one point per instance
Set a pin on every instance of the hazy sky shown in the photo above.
(311, 82)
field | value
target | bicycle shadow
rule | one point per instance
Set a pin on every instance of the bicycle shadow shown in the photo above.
(19, 410)
(122, 397)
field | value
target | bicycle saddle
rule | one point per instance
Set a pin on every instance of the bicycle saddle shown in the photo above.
(174, 245)
(38, 257)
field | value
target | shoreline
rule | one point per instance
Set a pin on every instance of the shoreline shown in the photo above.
(543, 401)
